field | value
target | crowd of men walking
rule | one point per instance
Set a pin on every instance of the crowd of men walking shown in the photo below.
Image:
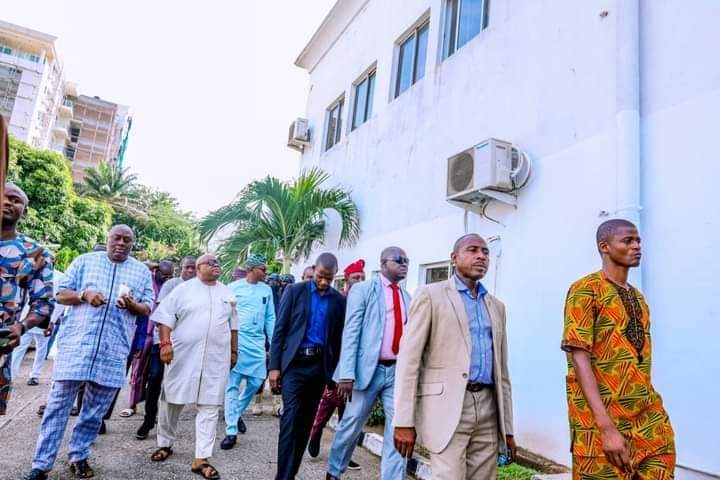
(437, 362)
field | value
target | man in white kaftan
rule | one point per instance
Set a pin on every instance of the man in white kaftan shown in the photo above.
(198, 341)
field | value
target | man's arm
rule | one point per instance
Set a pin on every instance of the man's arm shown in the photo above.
(269, 317)
(614, 445)
(282, 325)
(41, 297)
(354, 314)
(412, 346)
(507, 389)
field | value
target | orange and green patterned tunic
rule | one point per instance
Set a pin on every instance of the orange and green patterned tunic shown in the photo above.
(612, 323)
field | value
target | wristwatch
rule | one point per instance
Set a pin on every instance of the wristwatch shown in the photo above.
(81, 296)
(165, 342)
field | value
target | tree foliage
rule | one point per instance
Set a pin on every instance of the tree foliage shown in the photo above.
(285, 218)
(55, 216)
(72, 224)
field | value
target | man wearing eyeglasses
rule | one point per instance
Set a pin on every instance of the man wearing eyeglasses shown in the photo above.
(375, 318)
(256, 320)
(198, 343)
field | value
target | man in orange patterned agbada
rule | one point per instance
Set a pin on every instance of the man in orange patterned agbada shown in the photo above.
(618, 426)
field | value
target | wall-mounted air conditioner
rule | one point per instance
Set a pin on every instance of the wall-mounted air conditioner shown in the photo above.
(299, 134)
(493, 169)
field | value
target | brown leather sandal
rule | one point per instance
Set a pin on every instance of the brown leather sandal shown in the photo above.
(81, 469)
(161, 454)
(205, 470)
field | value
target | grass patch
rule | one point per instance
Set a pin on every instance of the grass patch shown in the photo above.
(515, 472)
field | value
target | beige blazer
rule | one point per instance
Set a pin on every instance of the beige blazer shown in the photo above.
(434, 361)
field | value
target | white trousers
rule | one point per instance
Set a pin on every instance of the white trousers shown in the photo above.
(41, 343)
(205, 427)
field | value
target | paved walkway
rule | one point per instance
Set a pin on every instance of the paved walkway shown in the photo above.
(118, 455)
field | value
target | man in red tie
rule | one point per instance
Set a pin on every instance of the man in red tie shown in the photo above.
(374, 322)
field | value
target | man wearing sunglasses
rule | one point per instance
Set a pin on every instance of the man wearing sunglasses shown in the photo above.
(198, 344)
(256, 321)
(375, 319)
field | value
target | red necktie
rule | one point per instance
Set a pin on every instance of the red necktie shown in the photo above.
(397, 310)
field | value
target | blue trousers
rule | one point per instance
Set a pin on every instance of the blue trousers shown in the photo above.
(392, 466)
(236, 404)
(62, 395)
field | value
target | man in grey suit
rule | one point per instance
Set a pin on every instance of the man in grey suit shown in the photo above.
(375, 318)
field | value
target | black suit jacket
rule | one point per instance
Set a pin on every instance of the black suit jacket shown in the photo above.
(291, 324)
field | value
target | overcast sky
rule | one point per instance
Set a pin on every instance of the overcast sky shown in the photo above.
(211, 84)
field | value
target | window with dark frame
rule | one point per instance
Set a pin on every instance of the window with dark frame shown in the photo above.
(364, 93)
(334, 124)
(411, 58)
(438, 273)
(464, 19)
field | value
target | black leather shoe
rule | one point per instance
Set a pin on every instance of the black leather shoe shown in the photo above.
(330, 477)
(81, 469)
(353, 465)
(228, 442)
(103, 428)
(242, 428)
(36, 474)
(314, 446)
(143, 431)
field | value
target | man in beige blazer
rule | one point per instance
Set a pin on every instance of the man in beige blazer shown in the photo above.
(452, 385)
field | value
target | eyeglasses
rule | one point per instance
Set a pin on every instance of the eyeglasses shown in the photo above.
(212, 263)
(400, 260)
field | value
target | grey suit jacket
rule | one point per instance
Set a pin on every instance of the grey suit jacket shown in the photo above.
(434, 363)
(363, 332)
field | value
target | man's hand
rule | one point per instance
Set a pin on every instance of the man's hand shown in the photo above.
(233, 359)
(125, 302)
(13, 337)
(512, 448)
(166, 354)
(616, 448)
(48, 331)
(344, 390)
(274, 378)
(95, 299)
(405, 440)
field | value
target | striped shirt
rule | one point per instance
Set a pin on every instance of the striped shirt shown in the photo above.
(96, 342)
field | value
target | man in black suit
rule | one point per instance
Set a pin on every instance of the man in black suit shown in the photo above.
(304, 352)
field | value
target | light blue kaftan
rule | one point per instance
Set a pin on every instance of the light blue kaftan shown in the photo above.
(256, 318)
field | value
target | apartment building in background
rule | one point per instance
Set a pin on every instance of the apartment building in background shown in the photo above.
(432, 111)
(31, 78)
(46, 111)
(95, 133)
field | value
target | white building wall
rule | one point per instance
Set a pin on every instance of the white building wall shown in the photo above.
(543, 76)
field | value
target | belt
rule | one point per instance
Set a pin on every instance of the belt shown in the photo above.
(476, 387)
(310, 352)
(387, 363)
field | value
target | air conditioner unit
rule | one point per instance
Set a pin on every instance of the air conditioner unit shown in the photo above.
(491, 169)
(299, 134)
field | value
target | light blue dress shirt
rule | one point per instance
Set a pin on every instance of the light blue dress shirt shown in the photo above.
(481, 357)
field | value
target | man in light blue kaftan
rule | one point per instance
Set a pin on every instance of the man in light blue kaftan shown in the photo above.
(256, 315)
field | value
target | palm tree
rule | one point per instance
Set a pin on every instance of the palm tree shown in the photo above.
(113, 186)
(288, 218)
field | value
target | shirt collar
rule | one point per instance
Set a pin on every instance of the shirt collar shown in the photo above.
(479, 287)
(384, 281)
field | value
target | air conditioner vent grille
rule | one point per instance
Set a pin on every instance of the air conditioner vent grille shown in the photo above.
(461, 171)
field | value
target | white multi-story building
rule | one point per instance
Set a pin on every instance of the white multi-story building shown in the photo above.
(615, 102)
(30, 83)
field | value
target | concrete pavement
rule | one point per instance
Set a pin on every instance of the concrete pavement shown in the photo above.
(119, 456)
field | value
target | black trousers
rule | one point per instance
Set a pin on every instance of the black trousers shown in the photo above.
(153, 386)
(302, 386)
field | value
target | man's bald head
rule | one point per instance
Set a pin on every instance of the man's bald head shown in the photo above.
(394, 264)
(460, 242)
(327, 260)
(11, 187)
(13, 205)
(120, 242)
(208, 269)
(610, 228)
